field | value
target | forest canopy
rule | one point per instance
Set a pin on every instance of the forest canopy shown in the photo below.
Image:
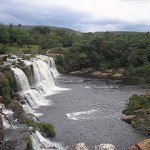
(98, 51)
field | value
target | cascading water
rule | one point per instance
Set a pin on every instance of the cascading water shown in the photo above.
(43, 84)
(8, 113)
(51, 63)
(43, 77)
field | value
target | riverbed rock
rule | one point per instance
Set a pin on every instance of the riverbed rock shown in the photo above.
(79, 146)
(143, 145)
(18, 111)
(104, 147)
(118, 75)
(134, 148)
(127, 118)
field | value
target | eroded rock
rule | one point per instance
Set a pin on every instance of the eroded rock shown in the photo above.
(127, 118)
(104, 147)
(79, 146)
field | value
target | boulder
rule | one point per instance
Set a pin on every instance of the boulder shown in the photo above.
(79, 146)
(104, 147)
(127, 118)
(134, 148)
(143, 145)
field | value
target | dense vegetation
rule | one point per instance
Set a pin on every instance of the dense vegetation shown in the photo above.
(140, 107)
(94, 51)
(97, 51)
(127, 51)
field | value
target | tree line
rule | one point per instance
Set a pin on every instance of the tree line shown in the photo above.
(98, 51)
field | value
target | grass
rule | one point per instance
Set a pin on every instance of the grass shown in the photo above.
(137, 102)
(46, 128)
(140, 107)
(28, 140)
(16, 49)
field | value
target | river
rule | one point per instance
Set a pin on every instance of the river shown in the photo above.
(90, 112)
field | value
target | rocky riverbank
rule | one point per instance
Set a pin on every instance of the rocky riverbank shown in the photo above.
(82, 146)
(137, 113)
(113, 74)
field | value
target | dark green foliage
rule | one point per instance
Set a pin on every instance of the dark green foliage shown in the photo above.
(28, 71)
(12, 82)
(137, 102)
(46, 128)
(139, 106)
(28, 140)
(5, 91)
(98, 51)
(140, 74)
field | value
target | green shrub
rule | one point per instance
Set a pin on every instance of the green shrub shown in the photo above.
(48, 129)
(28, 140)
(32, 124)
(5, 91)
(137, 102)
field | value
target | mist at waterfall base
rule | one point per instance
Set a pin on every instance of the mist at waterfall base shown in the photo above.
(89, 112)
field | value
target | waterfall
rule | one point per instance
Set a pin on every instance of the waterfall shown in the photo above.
(53, 67)
(39, 142)
(8, 115)
(43, 77)
(44, 71)
(51, 62)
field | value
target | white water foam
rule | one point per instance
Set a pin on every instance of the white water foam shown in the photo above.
(51, 63)
(81, 115)
(44, 71)
(41, 143)
(8, 113)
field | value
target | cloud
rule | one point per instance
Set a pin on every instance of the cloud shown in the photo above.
(89, 15)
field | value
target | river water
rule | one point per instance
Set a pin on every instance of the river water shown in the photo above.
(90, 112)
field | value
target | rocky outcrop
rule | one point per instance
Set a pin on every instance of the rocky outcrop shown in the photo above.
(104, 147)
(127, 118)
(143, 145)
(81, 146)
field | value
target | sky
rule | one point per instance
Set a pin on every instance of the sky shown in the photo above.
(79, 15)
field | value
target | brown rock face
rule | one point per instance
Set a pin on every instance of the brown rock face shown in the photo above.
(143, 145)
(80, 146)
(127, 118)
(134, 148)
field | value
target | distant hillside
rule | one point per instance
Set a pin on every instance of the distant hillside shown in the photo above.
(28, 27)
(117, 32)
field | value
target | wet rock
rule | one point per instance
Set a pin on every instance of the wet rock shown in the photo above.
(18, 111)
(9, 145)
(127, 118)
(17, 139)
(143, 145)
(1, 129)
(32, 117)
(79, 146)
(134, 148)
(105, 147)
(22, 102)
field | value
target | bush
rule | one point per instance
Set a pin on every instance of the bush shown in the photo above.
(28, 140)
(48, 129)
(5, 91)
(137, 102)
